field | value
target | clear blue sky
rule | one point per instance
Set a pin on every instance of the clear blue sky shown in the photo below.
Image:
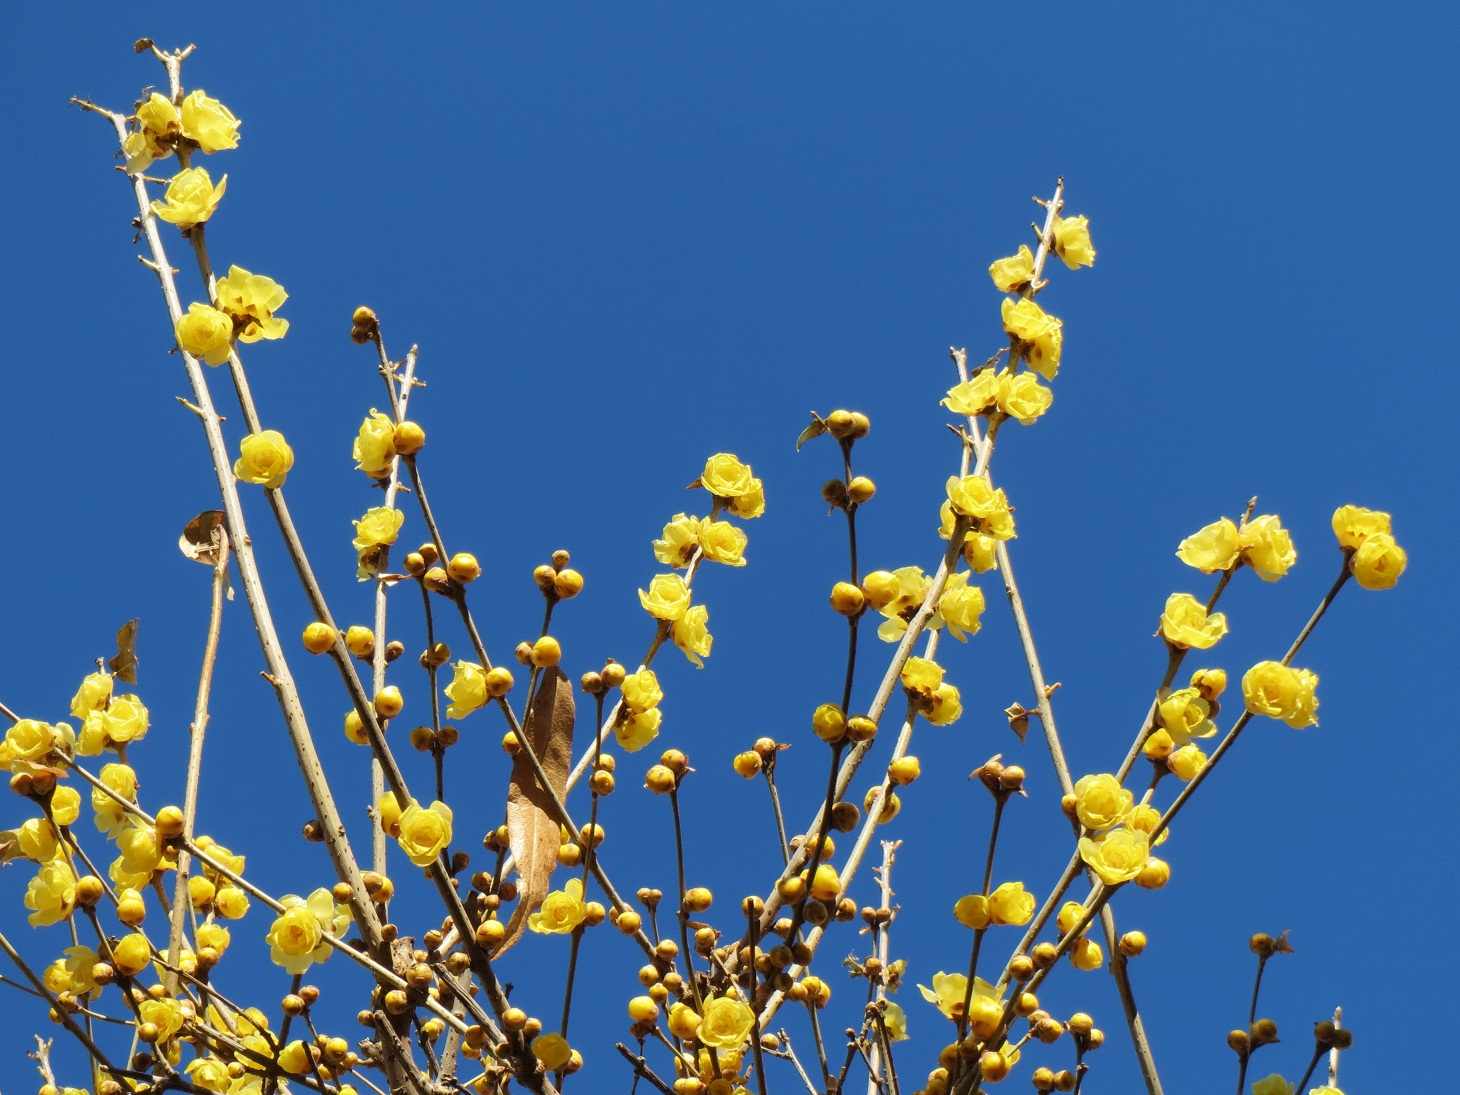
(628, 238)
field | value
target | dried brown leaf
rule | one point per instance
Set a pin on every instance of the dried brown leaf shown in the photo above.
(197, 542)
(124, 665)
(532, 823)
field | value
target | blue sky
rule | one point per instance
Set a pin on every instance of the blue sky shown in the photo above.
(627, 238)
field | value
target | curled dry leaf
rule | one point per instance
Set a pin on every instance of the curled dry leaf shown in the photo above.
(124, 665)
(197, 541)
(532, 823)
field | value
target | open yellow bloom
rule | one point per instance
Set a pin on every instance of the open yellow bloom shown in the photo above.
(1011, 903)
(1040, 335)
(641, 690)
(51, 895)
(467, 690)
(1185, 623)
(947, 994)
(961, 607)
(252, 300)
(1101, 802)
(206, 333)
(264, 458)
(1023, 398)
(375, 445)
(208, 122)
(1281, 692)
(681, 537)
(1013, 273)
(691, 634)
(1116, 857)
(1355, 524)
(976, 395)
(1272, 1085)
(1072, 241)
(561, 911)
(921, 675)
(296, 939)
(424, 831)
(667, 597)
(726, 477)
(726, 1023)
(190, 198)
(1212, 548)
(1266, 547)
(93, 695)
(721, 542)
(1378, 562)
(1185, 714)
(944, 706)
(552, 1051)
(634, 730)
(378, 528)
(973, 496)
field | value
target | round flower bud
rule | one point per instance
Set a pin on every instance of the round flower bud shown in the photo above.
(389, 702)
(675, 761)
(861, 728)
(409, 438)
(660, 780)
(697, 899)
(568, 584)
(546, 652)
(890, 805)
(464, 567)
(904, 770)
(1158, 746)
(498, 681)
(1044, 955)
(490, 933)
(847, 599)
(828, 722)
(1021, 967)
(834, 493)
(1240, 1042)
(355, 728)
(881, 587)
(436, 580)
(414, 565)
(861, 426)
(747, 764)
(1132, 943)
(602, 783)
(642, 1009)
(613, 675)
(1263, 1031)
(1211, 683)
(423, 739)
(845, 817)
(1155, 874)
(839, 424)
(860, 490)
(545, 577)
(319, 638)
(995, 1066)
(1080, 1024)
(360, 641)
(1026, 1004)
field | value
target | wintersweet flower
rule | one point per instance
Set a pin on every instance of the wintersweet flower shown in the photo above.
(944, 706)
(206, 333)
(125, 720)
(424, 832)
(158, 126)
(121, 780)
(641, 690)
(972, 496)
(895, 1020)
(296, 938)
(1378, 562)
(721, 542)
(208, 122)
(634, 730)
(190, 198)
(65, 805)
(1072, 241)
(467, 690)
(1212, 548)
(1281, 692)
(1186, 762)
(1101, 802)
(79, 965)
(725, 1024)
(165, 1014)
(726, 477)
(36, 839)
(378, 528)
(976, 395)
(1185, 623)
(972, 911)
(980, 552)
(681, 537)
(1040, 335)
(252, 300)
(159, 117)
(552, 1051)
(961, 607)
(667, 597)
(1087, 955)
(691, 634)
(264, 458)
(1185, 714)
(51, 895)
(1013, 273)
(901, 593)
(561, 911)
(1023, 398)
(1116, 857)
(921, 676)
(1266, 547)
(30, 740)
(374, 448)
(94, 694)
(947, 994)
(1011, 903)
(1355, 524)
(1272, 1085)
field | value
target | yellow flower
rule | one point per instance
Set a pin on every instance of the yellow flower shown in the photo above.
(387, 812)
(264, 458)
(1144, 818)
(641, 690)
(561, 911)
(725, 1023)
(159, 127)
(131, 954)
(467, 690)
(94, 694)
(252, 300)
(1010, 903)
(424, 831)
(976, 394)
(1266, 547)
(1355, 524)
(1072, 241)
(206, 333)
(65, 805)
(190, 198)
(1101, 802)
(51, 894)
(981, 552)
(110, 817)
(230, 902)
(1272, 1085)
(158, 117)
(1185, 623)
(692, 635)
(721, 542)
(1186, 762)
(900, 594)
(30, 739)
(726, 477)
(1013, 273)
(961, 607)
(1378, 562)
(972, 496)
(1185, 715)
(1040, 334)
(1281, 692)
(1212, 548)
(552, 1051)
(378, 528)
(749, 504)
(634, 731)
(1023, 398)
(1087, 955)
(165, 1014)
(79, 964)
(944, 706)
(947, 994)
(895, 1020)
(1116, 857)
(140, 848)
(972, 911)
(667, 597)
(375, 445)
(921, 676)
(681, 537)
(208, 122)
(210, 1074)
(36, 839)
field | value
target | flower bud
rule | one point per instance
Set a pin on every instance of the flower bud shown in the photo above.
(568, 584)
(389, 702)
(747, 764)
(861, 728)
(499, 681)
(1044, 955)
(845, 817)
(613, 675)
(394, 649)
(834, 493)
(660, 780)
(847, 599)
(861, 426)
(1264, 1031)
(1132, 943)
(360, 641)
(904, 770)
(1155, 874)
(464, 567)
(546, 652)
(319, 638)
(436, 580)
(861, 489)
(408, 438)
(1021, 967)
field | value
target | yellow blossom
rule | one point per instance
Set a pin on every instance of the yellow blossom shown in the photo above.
(721, 542)
(947, 994)
(726, 1023)
(1087, 955)
(140, 848)
(158, 116)
(1186, 762)
(901, 593)
(375, 445)
(1011, 903)
(1040, 334)
(972, 911)
(467, 690)
(973, 496)
(1185, 623)
(94, 694)
(641, 690)
(36, 839)
(895, 1020)
(944, 706)
(681, 537)
(131, 954)
(921, 675)
(159, 125)
(747, 505)
(79, 966)
(1272, 1085)
(1212, 548)
(126, 720)
(208, 122)
(726, 477)
(1116, 857)
(667, 597)
(1013, 273)
(110, 816)
(1023, 398)
(691, 634)
(552, 1051)
(636, 730)
(378, 528)
(425, 831)
(961, 606)
(1355, 524)
(30, 739)
(1281, 692)
(1378, 562)
(975, 395)
(264, 458)
(1101, 802)
(65, 805)
(206, 333)
(190, 198)
(1072, 241)
(252, 300)
(1266, 547)
(1184, 714)
(210, 1074)
(165, 1014)
(561, 911)
(980, 551)
(51, 895)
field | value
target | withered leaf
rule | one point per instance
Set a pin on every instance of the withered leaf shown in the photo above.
(532, 823)
(124, 665)
(196, 542)
(816, 429)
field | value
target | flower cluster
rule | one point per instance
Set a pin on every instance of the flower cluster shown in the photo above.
(1375, 558)
(1261, 543)
(639, 716)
